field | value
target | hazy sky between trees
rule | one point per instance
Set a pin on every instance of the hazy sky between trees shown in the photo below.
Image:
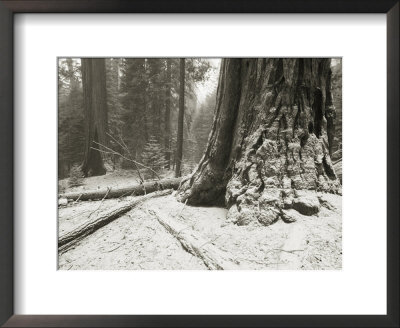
(203, 89)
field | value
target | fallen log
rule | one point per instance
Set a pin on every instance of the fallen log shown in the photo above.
(135, 190)
(70, 238)
(212, 257)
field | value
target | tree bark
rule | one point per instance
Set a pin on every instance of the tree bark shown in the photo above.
(135, 190)
(179, 138)
(167, 134)
(269, 139)
(96, 121)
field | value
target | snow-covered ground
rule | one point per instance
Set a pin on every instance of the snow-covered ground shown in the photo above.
(137, 240)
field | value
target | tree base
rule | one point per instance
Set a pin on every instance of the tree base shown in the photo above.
(268, 152)
(276, 177)
(272, 205)
(203, 187)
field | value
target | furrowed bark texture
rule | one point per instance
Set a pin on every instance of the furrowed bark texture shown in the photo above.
(269, 144)
(208, 183)
(95, 104)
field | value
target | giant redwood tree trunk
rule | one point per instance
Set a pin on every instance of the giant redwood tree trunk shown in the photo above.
(268, 151)
(95, 106)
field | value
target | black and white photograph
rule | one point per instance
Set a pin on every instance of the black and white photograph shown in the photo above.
(199, 163)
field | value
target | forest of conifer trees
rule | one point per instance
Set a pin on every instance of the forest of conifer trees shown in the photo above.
(141, 113)
(200, 163)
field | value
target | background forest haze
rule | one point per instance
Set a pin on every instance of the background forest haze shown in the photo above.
(142, 100)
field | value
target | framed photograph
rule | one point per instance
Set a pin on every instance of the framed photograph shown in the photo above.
(203, 164)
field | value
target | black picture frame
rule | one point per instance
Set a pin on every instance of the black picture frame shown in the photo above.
(10, 7)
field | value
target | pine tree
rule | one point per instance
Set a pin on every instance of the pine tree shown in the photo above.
(153, 156)
(156, 96)
(114, 104)
(75, 177)
(71, 137)
(134, 103)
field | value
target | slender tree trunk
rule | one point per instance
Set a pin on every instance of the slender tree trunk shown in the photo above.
(145, 118)
(115, 72)
(179, 139)
(269, 140)
(118, 65)
(147, 125)
(72, 80)
(167, 135)
(95, 105)
(159, 108)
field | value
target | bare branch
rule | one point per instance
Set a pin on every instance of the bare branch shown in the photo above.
(180, 213)
(77, 199)
(286, 251)
(101, 202)
(127, 149)
(111, 151)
